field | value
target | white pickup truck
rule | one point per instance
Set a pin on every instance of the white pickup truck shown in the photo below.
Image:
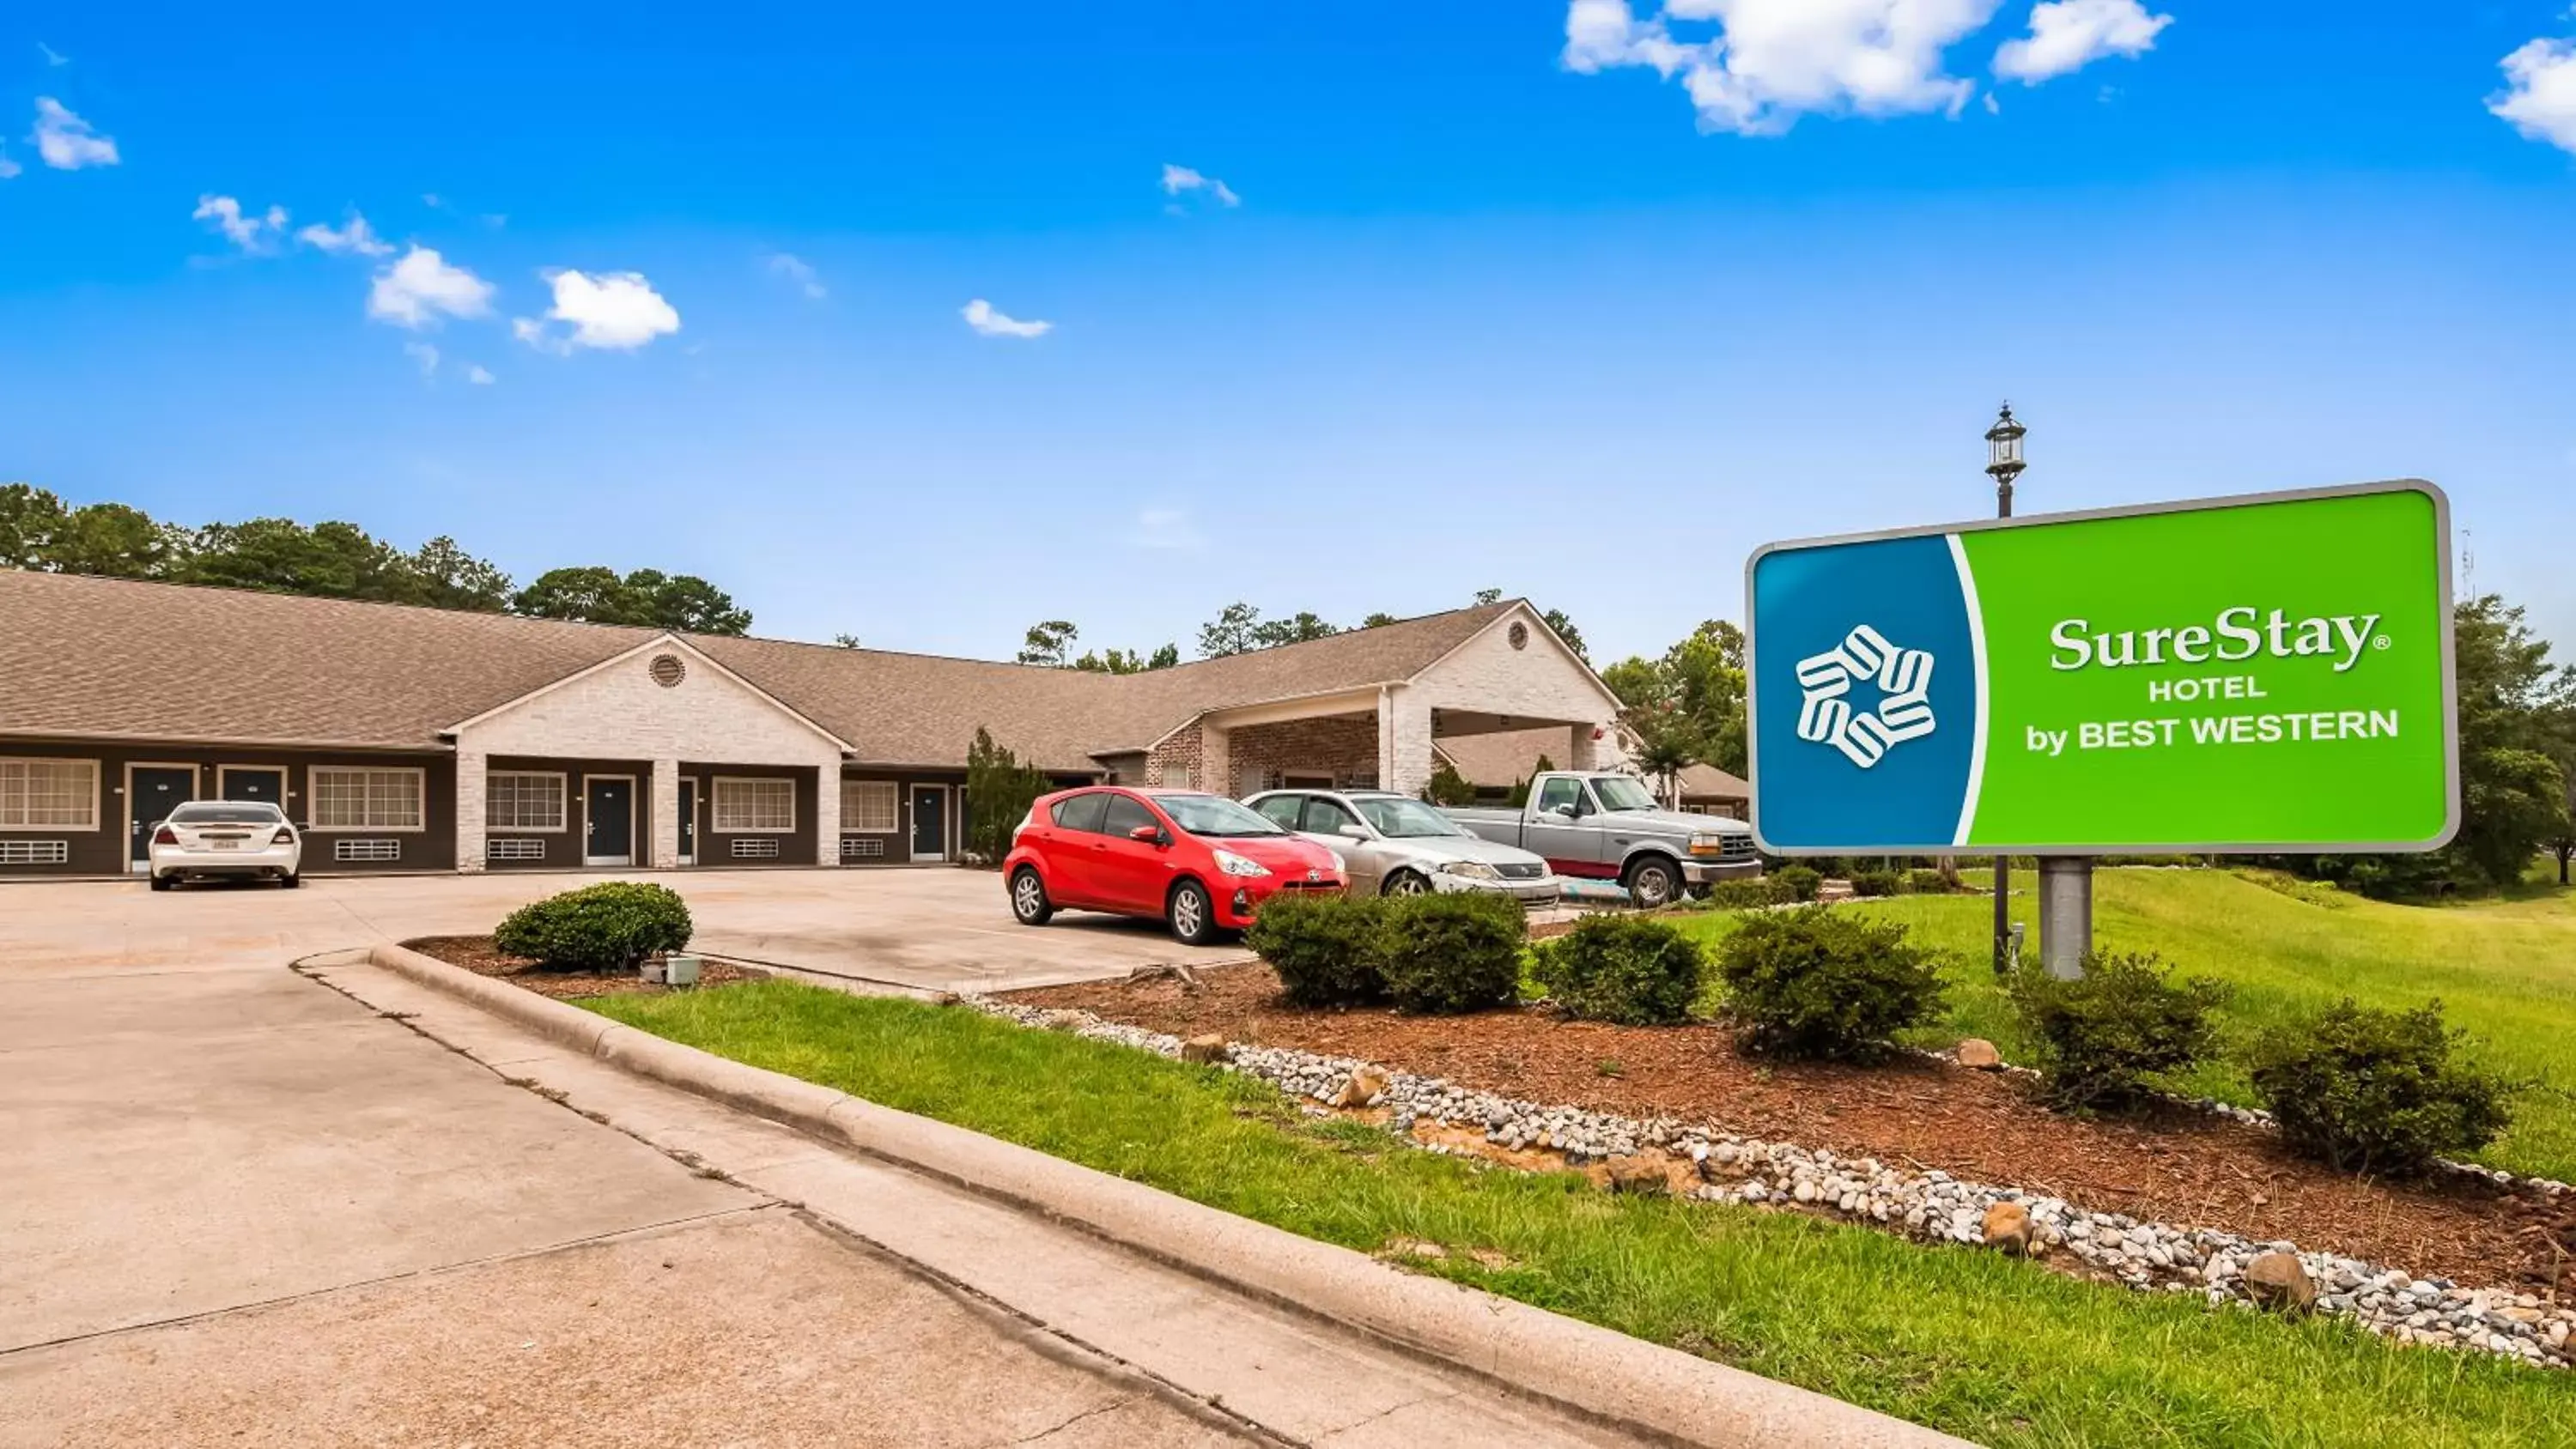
(1608, 827)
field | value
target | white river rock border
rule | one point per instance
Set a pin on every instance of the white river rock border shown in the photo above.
(1929, 1205)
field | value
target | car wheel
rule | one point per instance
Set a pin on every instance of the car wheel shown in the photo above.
(1405, 883)
(1652, 883)
(291, 879)
(1029, 901)
(163, 882)
(1192, 914)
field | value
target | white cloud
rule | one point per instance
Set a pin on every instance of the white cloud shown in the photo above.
(253, 232)
(1165, 529)
(425, 355)
(53, 56)
(979, 314)
(797, 270)
(422, 289)
(2067, 35)
(356, 237)
(8, 168)
(1179, 179)
(475, 374)
(1772, 61)
(67, 142)
(618, 311)
(2541, 103)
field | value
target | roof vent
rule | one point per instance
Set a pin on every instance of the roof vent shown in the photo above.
(667, 670)
(1519, 635)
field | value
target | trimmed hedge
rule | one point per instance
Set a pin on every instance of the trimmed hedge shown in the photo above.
(1874, 883)
(1796, 883)
(1925, 881)
(2372, 1091)
(1449, 953)
(1632, 970)
(605, 927)
(1323, 947)
(2101, 1036)
(1827, 984)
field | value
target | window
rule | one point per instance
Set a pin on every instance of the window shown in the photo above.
(56, 794)
(1326, 817)
(868, 805)
(1082, 812)
(1281, 810)
(754, 807)
(523, 800)
(349, 798)
(1124, 815)
(1562, 795)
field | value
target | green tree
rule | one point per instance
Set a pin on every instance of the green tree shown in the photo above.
(1230, 632)
(29, 519)
(1377, 620)
(647, 597)
(1049, 643)
(1122, 661)
(1298, 628)
(329, 560)
(114, 541)
(1686, 707)
(999, 792)
(1488, 596)
(846, 641)
(447, 577)
(1566, 631)
(1447, 786)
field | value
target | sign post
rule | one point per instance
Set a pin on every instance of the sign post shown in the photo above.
(2269, 673)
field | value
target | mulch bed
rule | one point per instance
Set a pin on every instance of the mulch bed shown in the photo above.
(2181, 1166)
(475, 954)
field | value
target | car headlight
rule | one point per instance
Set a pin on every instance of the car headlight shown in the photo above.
(1233, 864)
(1708, 845)
(1470, 869)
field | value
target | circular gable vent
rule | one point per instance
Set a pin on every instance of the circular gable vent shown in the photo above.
(1519, 635)
(667, 670)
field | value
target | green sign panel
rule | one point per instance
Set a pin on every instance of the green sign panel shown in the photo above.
(2266, 673)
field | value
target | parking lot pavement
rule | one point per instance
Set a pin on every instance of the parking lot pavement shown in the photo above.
(244, 1209)
(936, 929)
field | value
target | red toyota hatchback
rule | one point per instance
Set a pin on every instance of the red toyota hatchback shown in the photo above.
(1199, 862)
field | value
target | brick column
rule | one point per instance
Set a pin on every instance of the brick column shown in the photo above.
(666, 815)
(827, 814)
(1216, 761)
(1581, 753)
(1403, 741)
(469, 810)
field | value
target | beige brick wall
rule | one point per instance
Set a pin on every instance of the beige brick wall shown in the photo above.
(1175, 761)
(1344, 747)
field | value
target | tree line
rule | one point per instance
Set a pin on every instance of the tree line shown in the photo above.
(1238, 628)
(335, 560)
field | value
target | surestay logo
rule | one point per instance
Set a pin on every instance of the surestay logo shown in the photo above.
(2235, 635)
(1903, 678)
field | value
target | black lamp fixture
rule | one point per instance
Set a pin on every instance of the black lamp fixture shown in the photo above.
(2003, 458)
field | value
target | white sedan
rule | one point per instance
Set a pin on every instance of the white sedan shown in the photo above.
(244, 839)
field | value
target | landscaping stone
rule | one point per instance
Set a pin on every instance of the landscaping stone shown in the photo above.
(1980, 1053)
(1929, 1204)
(1642, 1176)
(1203, 1049)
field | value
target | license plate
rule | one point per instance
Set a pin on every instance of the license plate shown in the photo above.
(223, 845)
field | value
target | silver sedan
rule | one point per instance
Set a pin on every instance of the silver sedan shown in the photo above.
(1395, 845)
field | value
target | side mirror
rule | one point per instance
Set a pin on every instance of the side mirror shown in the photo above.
(1150, 834)
(1352, 830)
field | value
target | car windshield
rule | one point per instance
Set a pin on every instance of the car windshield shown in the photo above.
(1214, 815)
(1619, 792)
(1402, 819)
(227, 813)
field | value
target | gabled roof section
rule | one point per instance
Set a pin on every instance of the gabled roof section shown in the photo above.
(113, 658)
(664, 642)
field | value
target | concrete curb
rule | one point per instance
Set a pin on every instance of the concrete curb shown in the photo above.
(1594, 1371)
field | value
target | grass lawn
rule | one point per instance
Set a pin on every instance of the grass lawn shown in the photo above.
(1995, 1350)
(2504, 969)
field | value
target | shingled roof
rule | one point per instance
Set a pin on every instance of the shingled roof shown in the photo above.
(113, 658)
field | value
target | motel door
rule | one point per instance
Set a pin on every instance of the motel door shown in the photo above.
(152, 792)
(611, 812)
(929, 822)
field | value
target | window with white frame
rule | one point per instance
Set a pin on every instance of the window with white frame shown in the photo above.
(753, 807)
(48, 794)
(349, 797)
(868, 805)
(523, 800)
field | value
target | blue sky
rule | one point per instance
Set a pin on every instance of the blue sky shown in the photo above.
(1579, 301)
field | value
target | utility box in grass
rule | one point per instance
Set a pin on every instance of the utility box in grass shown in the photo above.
(672, 970)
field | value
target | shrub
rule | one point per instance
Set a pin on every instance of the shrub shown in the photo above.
(1796, 883)
(1442, 953)
(1632, 970)
(2366, 1090)
(2101, 1036)
(1323, 947)
(604, 927)
(1925, 881)
(1873, 883)
(1741, 895)
(1823, 983)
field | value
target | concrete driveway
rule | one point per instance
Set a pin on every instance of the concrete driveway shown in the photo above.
(939, 929)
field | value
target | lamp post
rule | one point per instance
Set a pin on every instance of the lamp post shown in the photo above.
(2004, 464)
